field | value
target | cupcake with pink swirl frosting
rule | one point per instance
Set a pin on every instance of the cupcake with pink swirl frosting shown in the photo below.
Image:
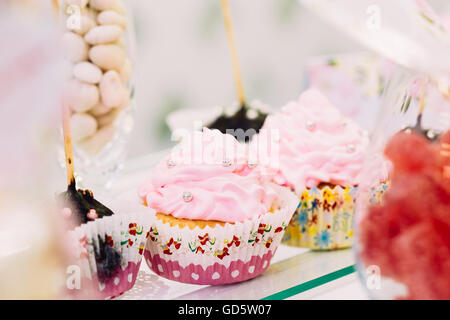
(320, 156)
(217, 220)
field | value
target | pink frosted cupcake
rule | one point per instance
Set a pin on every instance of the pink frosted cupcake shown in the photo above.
(217, 222)
(320, 157)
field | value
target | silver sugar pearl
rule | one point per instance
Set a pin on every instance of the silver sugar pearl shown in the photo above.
(171, 163)
(431, 135)
(231, 110)
(252, 114)
(277, 138)
(187, 196)
(226, 162)
(351, 148)
(310, 125)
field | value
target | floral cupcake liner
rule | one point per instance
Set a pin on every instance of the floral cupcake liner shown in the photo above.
(221, 254)
(324, 217)
(108, 252)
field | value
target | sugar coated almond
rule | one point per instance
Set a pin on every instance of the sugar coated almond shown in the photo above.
(112, 89)
(103, 5)
(82, 125)
(112, 17)
(75, 48)
(99, 110)
(81, 96)
(87, 72)
(103, 34)
(107, 57)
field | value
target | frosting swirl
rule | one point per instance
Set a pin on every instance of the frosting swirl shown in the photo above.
(317, 144)
(207, 177)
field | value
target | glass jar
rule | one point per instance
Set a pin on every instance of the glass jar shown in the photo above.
(403, 242)
(99, 45)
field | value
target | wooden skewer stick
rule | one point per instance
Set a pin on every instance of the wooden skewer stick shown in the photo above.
(237, 73)
(68, 147)
(68, 150)
(55, 4)
(422, 98)
(444, 88)
(422, 101)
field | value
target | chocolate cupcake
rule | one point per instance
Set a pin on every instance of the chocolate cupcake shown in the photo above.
(107, 246)
(242, 122)
(247, 118)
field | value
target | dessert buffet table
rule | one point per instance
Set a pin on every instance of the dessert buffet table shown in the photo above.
(294, 273)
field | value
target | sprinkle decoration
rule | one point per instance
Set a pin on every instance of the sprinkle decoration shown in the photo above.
(351, 148)
(431, 135)
(226, 162)
(252, 164)
(310, 125)
(170, 163)
(67, 212)
(92, 214)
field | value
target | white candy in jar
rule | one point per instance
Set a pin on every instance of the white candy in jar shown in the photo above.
(126, 99)
(103, 34)
(100, 67)
(112, 17)
(82, 126)
(119, 7)
(100, 109)
(108, 118)
(81, 96)
(80, 25)
(75, 48)
(94, 144)
(80, 3)
(107, 57)
(102, 5)
(87, 72)
(112, 89)
(125, 71)
(121, 43)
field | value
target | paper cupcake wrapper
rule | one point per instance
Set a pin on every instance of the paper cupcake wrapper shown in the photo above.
(220, 254)
(108, 252)
(324, 217)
